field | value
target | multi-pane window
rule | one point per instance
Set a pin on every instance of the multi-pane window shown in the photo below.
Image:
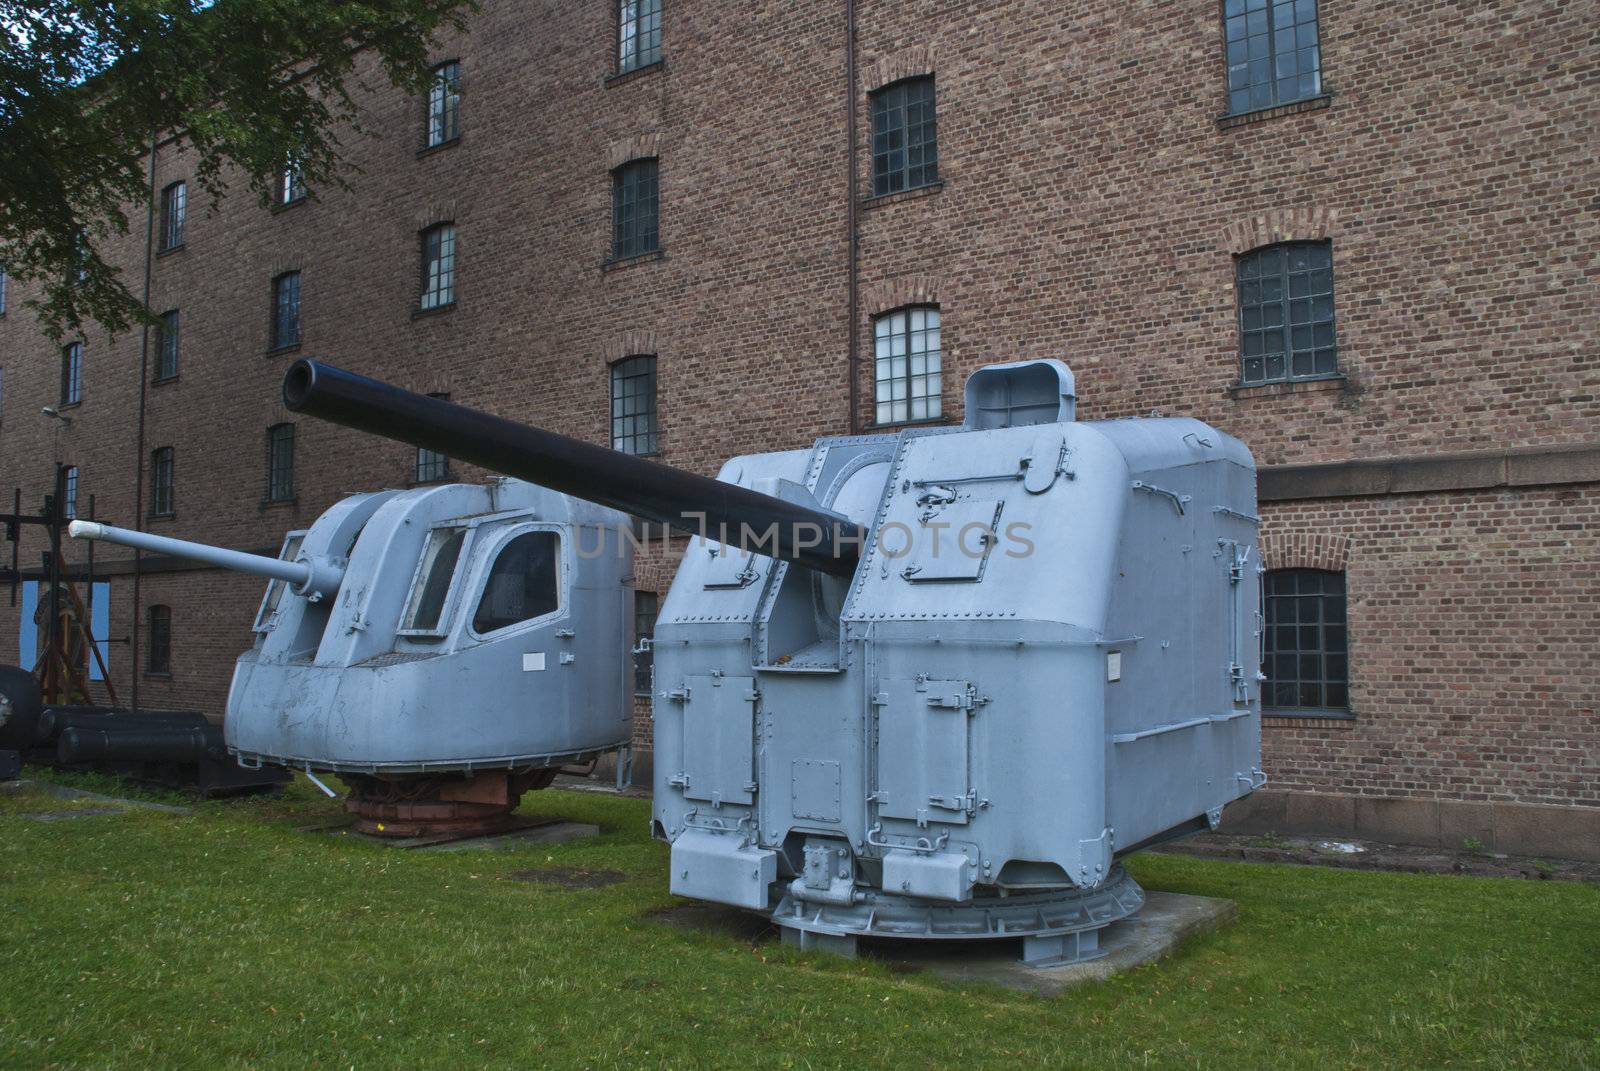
(633, 405)
(292, 182)
(638, 34)
(438, 265)
(444, 104)
(159, 641)
(69, 492)
(906, 359)
(174, 206)
(1286, 313)
(72, 373)
(3, 279)
(286, 310)
(1273, 54)
(646, 606)
(432, 465)
(167, 346)
(905, 149)
(1307, 661)
(280, 463)
(634, 201)
(2, 392)
(161, 482)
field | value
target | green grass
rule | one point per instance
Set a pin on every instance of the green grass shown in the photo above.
(227, 938)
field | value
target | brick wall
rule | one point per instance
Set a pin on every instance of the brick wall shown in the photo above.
(1091, 207)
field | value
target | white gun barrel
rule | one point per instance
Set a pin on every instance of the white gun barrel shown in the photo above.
(305, 576)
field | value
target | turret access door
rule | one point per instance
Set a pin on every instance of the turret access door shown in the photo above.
(923, 765)
(718, 738)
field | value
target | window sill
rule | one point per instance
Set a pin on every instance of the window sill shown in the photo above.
(902, 195)
(163, 381)
(157, 675)
(293, 347)
(162, 516)
(1307, 718)
(269, 503)
(621, 77)
(68, 405)
(448, 143)
(1294, 107)
(932, 422)
(284, 206)
(627, 262)
(437, 310)
(1241, 391)
(169, 250)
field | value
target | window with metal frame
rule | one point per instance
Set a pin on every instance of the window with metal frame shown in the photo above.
(286, 310)
(638, 34)
(1274, 54)
(158, 655)
(438, 266)
(1286, 313)
(633, 405)
(292, 182)
(646, 608)
(161, 482)
(444, 104)
(280, 463)
(634, 209)
(905, 147)
(523, 583)
(174, 207)
(430, 590)
(69, 492)
(167, 346)
(907, 365)
(72, 373)
(4, 278)
(431, 465)
(1307, 645)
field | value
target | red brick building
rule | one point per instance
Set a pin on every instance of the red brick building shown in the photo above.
(1360, 237)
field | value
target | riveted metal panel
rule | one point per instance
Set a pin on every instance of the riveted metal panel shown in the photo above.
(922, 750)
(719, 739)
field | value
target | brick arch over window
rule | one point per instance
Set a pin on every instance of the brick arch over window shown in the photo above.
(881, 297)
(638, 147)
(1305, 550)
(1314, 224)
(887, 69)
(629, 344)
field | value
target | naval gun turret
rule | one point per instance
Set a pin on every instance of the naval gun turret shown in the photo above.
(443, 648)
(929, 684)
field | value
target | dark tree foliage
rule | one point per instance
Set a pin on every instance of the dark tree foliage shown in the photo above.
(250, 84)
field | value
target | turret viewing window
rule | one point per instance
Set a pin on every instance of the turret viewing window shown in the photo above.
(431, 588)
(523, 583)
(1286, 313)
(438, 266)
(1307, 646)
(638, 34)
(905, 150)
(1273, 53)
(444, 104)
(906, 364)
(633, 405)
(635, 203)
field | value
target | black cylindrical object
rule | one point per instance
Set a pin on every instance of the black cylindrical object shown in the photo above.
(20, 704)
(162, 744)
(57, 720)
(655, 492)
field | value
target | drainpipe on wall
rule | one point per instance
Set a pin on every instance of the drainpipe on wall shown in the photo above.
(853, 300)
(138, 449)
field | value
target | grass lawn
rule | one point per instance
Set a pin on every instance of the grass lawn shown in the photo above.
(227, 939)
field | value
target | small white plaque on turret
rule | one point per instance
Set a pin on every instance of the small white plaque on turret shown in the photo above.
(533, 662)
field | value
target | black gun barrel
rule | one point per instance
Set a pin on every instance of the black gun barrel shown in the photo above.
(186, 745)
(647, 489)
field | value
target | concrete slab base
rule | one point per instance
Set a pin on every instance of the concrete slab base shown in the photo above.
(1166, 921)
